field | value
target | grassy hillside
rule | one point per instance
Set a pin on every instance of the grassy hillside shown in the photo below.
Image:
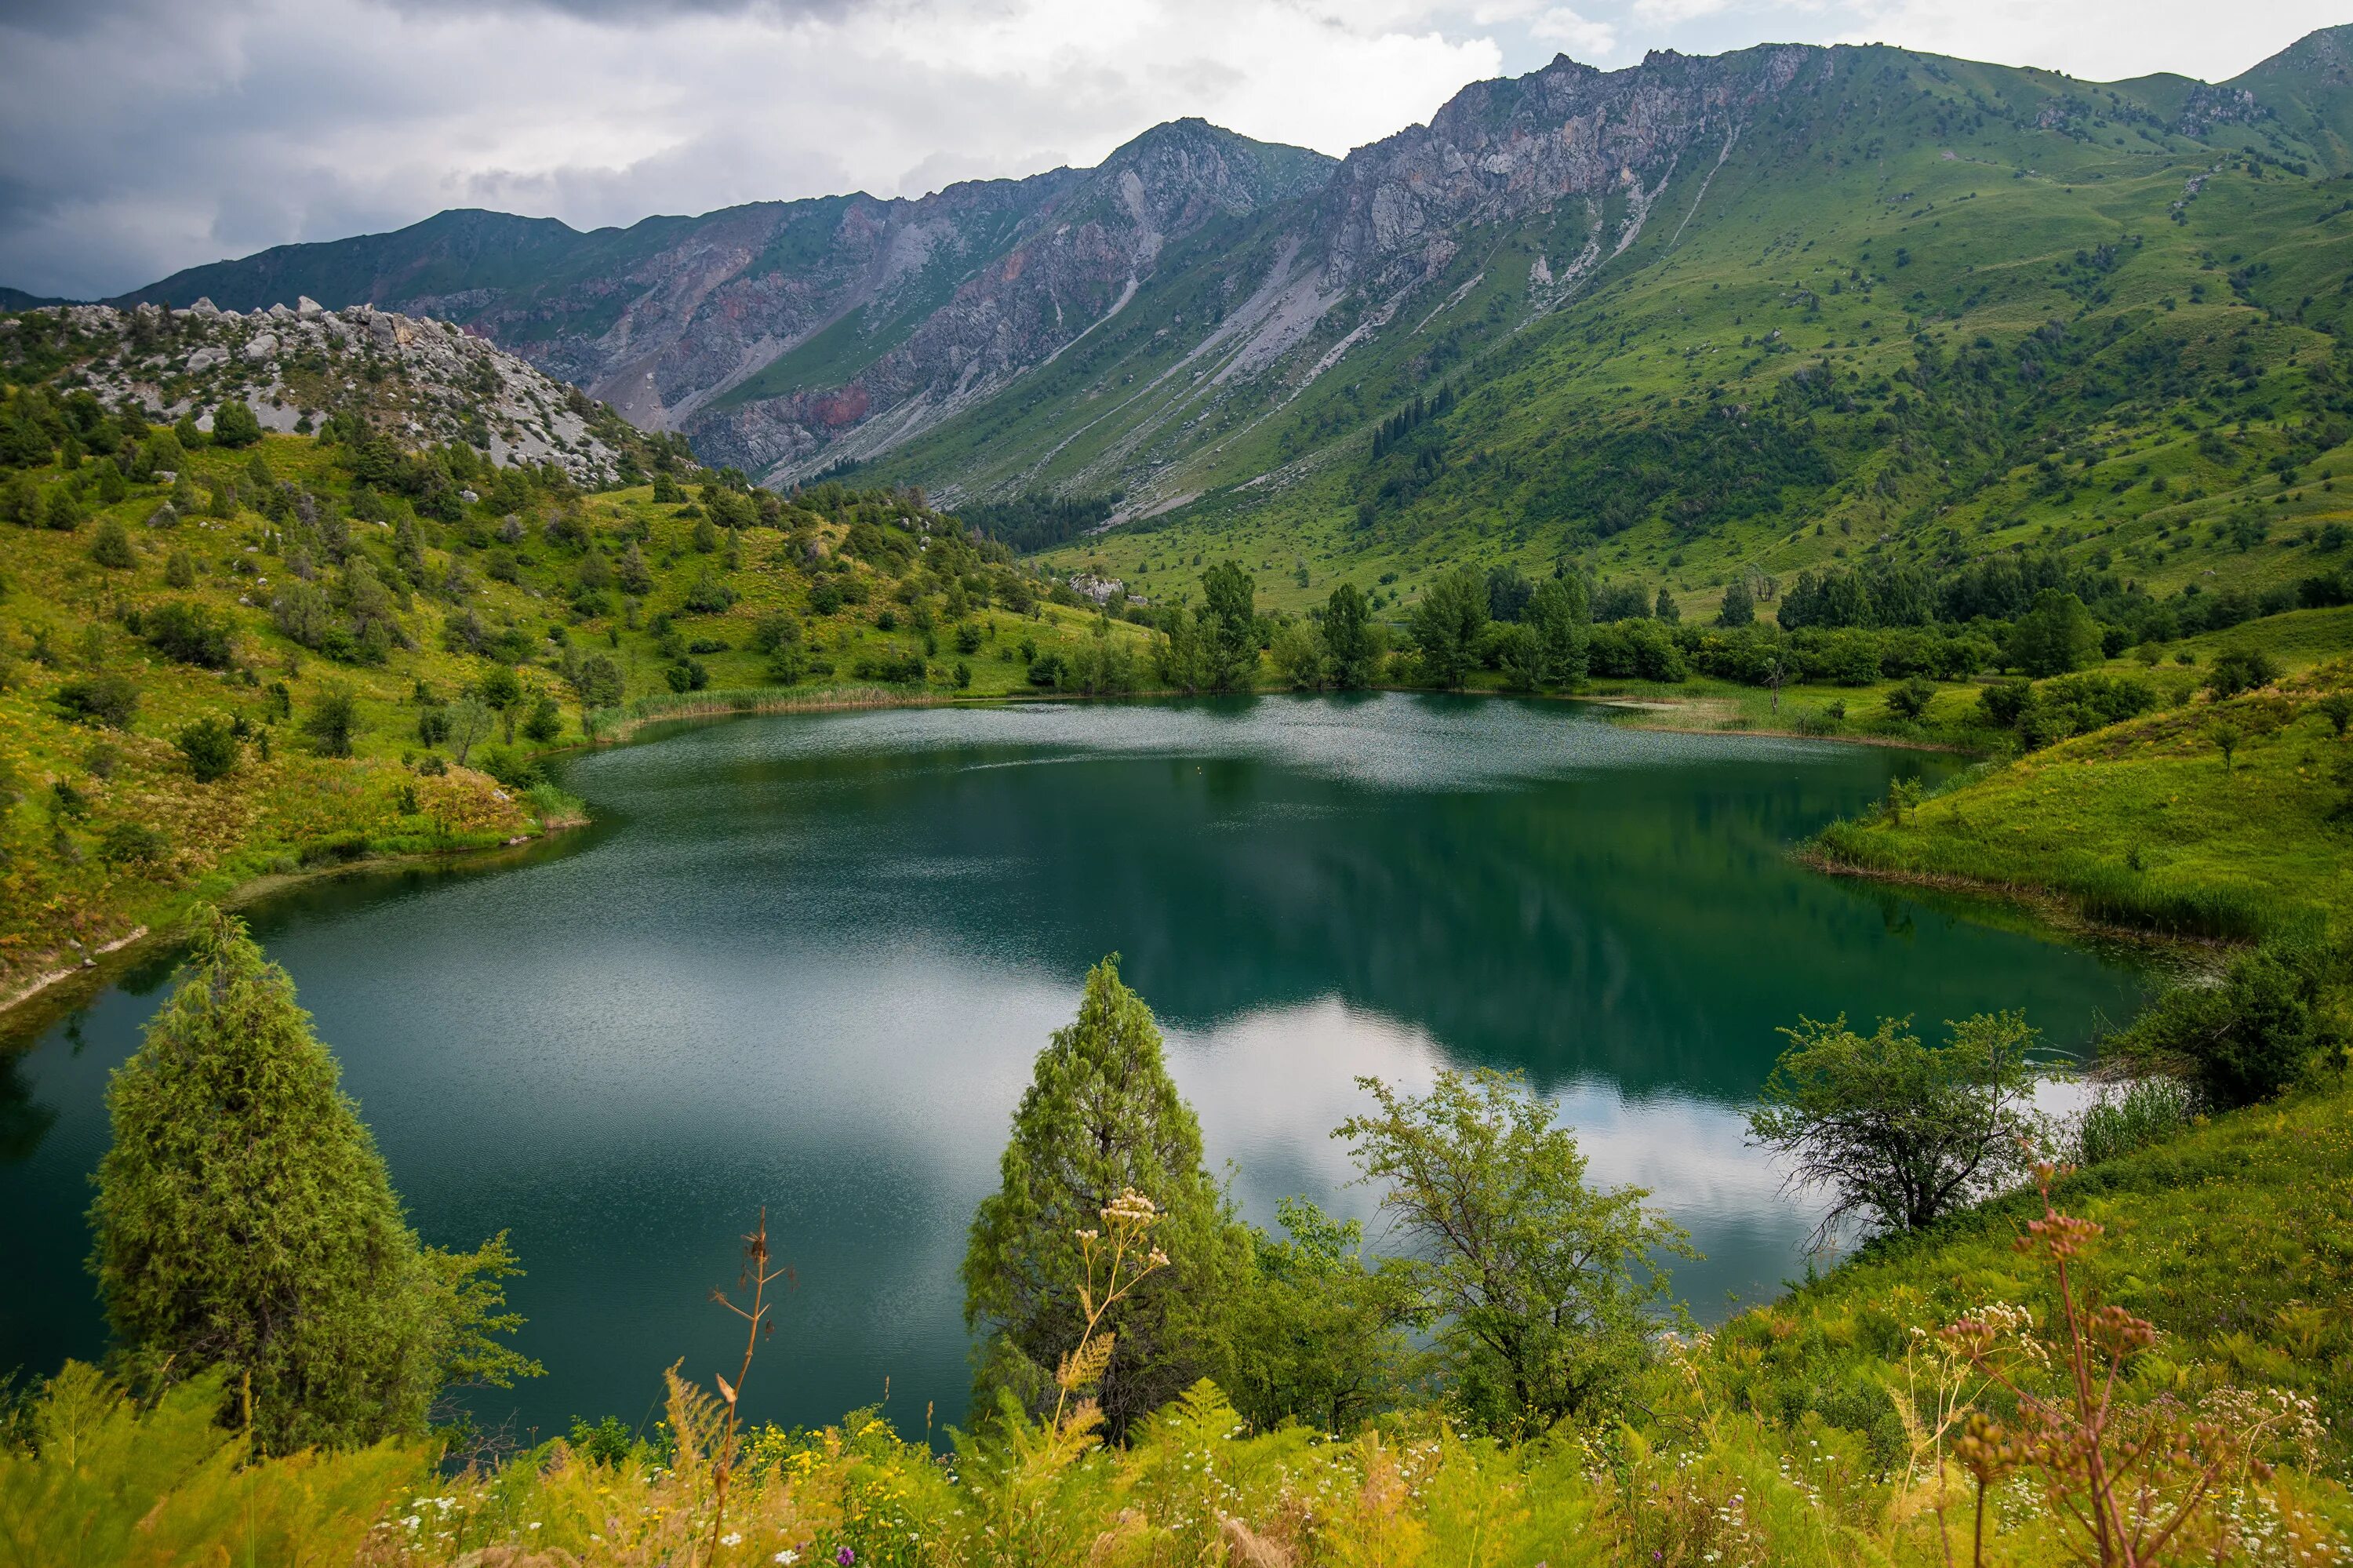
(1935, 313)
(303, 583)
(2224, 816)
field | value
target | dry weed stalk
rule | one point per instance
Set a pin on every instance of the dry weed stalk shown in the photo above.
(2128, 1478)
(756, 1277)
(1129, 1220)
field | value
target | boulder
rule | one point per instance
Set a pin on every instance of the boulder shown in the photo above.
(306, 307)
(203, 359)
(262, 345)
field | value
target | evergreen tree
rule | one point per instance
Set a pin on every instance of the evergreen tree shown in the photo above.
(1739, 606)
(1100, 1116)
(112, 546)
(245, 1222)
(64, 514)
(234, 424)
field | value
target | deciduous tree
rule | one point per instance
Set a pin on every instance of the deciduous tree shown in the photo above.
(1543, 1288)
(1900, 1132)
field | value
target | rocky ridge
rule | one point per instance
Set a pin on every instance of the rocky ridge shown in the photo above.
(784, 338)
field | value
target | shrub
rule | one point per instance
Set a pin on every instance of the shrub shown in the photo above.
(331, 722)
(234, 424)
(189, 632)
(2240, 669)
(1911, 700)
(776, 631)
(131, 844)
(2004, 702)
(111, 548)
(210, 747)
(707, 595)
(108, 700)
(544, 721)
(687, 675)
(2249, 1038)
(509, 767)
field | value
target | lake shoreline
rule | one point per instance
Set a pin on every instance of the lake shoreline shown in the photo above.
(134, 944)
(615, 1043)
(2046, 906)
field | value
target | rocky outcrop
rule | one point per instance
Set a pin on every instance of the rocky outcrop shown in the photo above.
(1068, 267)
(1502, 150)
(418, 380)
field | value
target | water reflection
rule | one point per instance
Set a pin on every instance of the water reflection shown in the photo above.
(806, 962)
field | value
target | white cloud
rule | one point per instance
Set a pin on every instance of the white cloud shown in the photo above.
(1559, 24)
(1674, 13)
(2106, 41)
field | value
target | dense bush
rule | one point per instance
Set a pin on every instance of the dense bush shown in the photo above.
(210, 747)
(108, 700)
(190, 632)
(2249, 1038)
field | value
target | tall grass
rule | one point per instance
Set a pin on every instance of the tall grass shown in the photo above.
(2146, 1112)
(616, 723)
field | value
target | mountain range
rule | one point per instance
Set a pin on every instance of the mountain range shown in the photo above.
(1662, 300)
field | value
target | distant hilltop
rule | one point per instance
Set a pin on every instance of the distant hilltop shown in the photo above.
(416, 378)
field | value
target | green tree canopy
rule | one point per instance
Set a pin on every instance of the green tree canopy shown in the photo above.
(1447, 621)
(234, 424)
(1542, 1288)
(1320, 1334)
(1898, 1131)
(1348, 638)
(1101, 1115)
(2055, 635)
(1229, 626)
(245, 1222)
(1557, 614)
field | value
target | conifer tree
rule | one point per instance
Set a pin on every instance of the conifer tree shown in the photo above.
(245, 1222)
(1101, 1115)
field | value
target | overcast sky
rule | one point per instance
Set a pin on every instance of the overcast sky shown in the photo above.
(140, 136)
